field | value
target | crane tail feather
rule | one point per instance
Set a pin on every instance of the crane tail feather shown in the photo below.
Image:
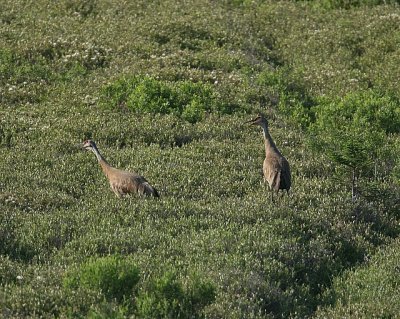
(147, 190)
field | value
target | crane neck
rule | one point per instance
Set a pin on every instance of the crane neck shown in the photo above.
(268, 141)
(103, 163)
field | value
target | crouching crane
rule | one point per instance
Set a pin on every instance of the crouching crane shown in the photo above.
(121, 182)
(275, 167)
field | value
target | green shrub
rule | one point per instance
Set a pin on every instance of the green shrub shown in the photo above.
(114, 276)
(71, 59)
(369, 109)
(18, 68)
(84, 8)
(22, 78)
(166, 297)
(8, 270)
(107, 310)
(201, 293)
(186, 99)
(352, 130)
(290, 91)
(371, 291)
(150, 95)
(348, 4)
(268, 260)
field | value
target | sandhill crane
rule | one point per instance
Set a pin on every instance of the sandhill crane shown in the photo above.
(275, 167)
(121, 182)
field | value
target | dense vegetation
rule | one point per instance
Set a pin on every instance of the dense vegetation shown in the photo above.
(164, 88)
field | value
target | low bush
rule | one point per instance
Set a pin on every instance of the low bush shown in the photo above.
(370, 291)
(186, 99)
(22, 78)
(166, 297)
(366, 108)
(285, 89)
(186, 64)
(114, 276)
(117, 279)
(348, 4)
(351, 131)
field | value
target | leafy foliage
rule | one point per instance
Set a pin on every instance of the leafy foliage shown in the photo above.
(22, 78)
(348, 4)
(352, 131)
(167, 298)
(113, 276)
(370, 291)
(163, 87)
(144, 94)
(118, 280)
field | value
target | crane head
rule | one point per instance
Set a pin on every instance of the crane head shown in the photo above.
(259, 120)
(88, 145)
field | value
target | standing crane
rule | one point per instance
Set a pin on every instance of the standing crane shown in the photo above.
(121, 182)
(275, 167)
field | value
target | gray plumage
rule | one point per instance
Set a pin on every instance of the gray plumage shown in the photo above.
(276, 168)
(121, 182)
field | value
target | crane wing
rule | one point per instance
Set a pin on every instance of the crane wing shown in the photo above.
(285, 176)
(142, 187)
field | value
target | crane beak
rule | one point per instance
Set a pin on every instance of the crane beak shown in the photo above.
(251, 122)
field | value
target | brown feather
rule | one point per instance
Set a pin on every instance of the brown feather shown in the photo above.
(122, 182)
(276, 168)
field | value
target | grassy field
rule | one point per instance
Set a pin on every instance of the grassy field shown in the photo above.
(164, 88)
